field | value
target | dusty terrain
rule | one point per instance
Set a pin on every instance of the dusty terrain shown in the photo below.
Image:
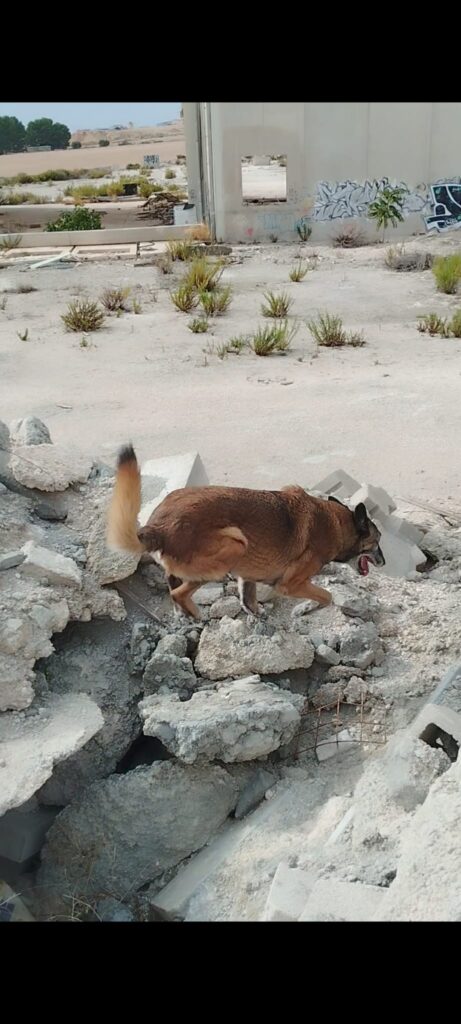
(388, 413)
(167, 141)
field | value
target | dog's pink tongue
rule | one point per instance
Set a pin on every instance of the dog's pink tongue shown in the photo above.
(363, 563)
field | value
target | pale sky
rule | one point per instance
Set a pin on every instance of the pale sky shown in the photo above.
(93, 115)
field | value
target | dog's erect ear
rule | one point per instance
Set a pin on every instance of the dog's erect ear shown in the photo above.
(331, 497)
(361, 519)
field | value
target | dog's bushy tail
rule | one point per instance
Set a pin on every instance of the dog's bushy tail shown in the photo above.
(122, 520)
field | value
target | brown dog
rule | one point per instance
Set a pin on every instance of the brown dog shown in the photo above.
(205, 533)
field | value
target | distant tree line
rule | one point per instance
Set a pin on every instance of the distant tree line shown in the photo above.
(15, 138)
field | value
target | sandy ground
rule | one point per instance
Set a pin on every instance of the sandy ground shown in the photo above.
(388, 413)
(167, 142)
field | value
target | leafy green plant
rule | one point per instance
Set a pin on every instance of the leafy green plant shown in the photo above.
(276, 306)
(304, 230)
(83, 315)
(114, 299)
(432, 323)
(184, 298)
(79, 219)
(76, 145)
(237, 343)
(170, 173)
(355, 339)
(104, 143)
(447, 272)
(198, 325)
(299, 271)
(387, 207)
(216, 303)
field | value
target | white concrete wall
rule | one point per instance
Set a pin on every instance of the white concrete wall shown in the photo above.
(336, 152)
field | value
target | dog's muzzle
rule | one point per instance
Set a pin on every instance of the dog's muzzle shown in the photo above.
(373, 557)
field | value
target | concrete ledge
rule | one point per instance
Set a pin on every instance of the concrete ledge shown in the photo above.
(105, 236)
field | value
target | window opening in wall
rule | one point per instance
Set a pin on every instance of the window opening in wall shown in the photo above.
(264, 179)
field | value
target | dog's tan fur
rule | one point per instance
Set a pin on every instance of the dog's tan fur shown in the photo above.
(205, 533)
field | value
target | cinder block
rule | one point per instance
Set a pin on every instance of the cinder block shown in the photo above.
(402, 558)
(400, 527)
(41, 562)
(161, 476)
(376, 499)
(332, 900)
(339, 484)
(22, 833)
(442, 713)
(288, 893)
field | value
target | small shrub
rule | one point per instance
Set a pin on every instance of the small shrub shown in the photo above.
(304, 231)
(184, 298)
(136, 307)
(79, 219)
(397, 259)
(165, 264)
(299, 272)
(237, 343)
(276, 305)
(274, 238)
(133, 167)
(199, 233)
(387, 207)
(455, 324)
(96, 172)
(348, 236)
(276, 338)
(181, 158)
(170, 173)
(198, 325)
(182, 250)
(23, 335)
(25, 289)
(432, 323)
(203, 276)
(146, 188)
(76, 145)
(103, 143)
(22, 199)
(10, 242)
(328, 330)
(216, 302)
(83, 315)
(114, 299)
(447, 272)
(355, 339)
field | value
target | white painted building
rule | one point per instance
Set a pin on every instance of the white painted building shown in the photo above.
(337, 156)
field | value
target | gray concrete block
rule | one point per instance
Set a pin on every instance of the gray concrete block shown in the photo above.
(22, 833)
(339, 484)
(442, 713)
(332, 900)
(288, 893)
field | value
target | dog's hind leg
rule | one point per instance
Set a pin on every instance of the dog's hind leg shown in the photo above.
(247, 595)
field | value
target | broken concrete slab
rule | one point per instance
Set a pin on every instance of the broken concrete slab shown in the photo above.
(231, 647)
(27, 621)
(106, 564)
(42, 563)
(288, 893)
(32, 742)
(439, 721)
(22, 832)
(353, 603)
(427, 886)
(240, 721)
(129, 829)
(334, 900)
(168, 672)
(326, 655)
(161, 476)
(49, 467)
(225, 606)
(10, 559)
(29, 431)
(362, 647)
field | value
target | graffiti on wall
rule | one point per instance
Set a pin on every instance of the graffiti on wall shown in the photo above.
(445, 205)
(338, 199)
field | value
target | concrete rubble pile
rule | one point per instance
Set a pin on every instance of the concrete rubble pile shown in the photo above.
(142, 754)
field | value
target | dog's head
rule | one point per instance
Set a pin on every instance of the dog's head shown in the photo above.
(366, 548)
